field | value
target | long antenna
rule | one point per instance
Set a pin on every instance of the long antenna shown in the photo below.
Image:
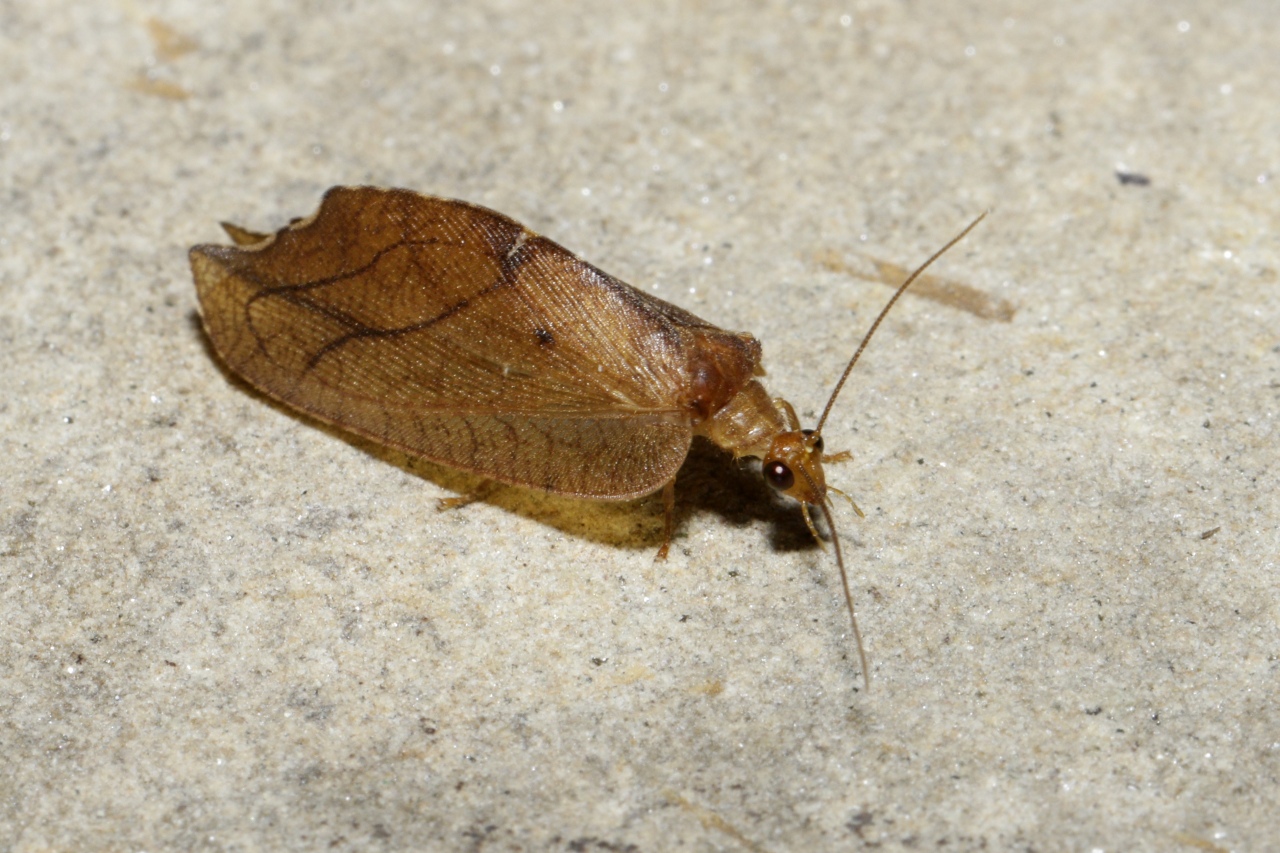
(831, 401)
(848, 595)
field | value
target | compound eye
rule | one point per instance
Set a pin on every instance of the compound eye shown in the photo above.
(817, 445)
(779, 476)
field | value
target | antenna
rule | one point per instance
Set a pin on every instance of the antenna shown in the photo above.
(817, 430)
(848, 595)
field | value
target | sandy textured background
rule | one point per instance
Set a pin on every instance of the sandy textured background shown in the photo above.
(225, 628)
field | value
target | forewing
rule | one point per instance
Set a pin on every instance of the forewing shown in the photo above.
(449, 331)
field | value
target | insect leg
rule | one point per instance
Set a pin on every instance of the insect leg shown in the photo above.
(860, 513)
(789, 411)
(668, 517)
(808, 520)
(483, 491)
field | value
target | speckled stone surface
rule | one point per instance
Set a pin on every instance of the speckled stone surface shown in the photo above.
(226, 628)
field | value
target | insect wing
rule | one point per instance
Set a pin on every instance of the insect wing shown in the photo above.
(450, 332)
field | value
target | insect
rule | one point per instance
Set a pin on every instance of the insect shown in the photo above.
(451, 332)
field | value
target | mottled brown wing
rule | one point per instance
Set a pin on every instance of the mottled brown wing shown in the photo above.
(449, 331)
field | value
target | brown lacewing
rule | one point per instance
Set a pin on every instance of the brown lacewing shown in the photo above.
(452, 333)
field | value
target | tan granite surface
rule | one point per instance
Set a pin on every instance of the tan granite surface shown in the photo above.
(225, 628)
